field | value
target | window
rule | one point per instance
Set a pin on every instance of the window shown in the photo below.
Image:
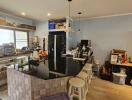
(21, 39)
(6, 36)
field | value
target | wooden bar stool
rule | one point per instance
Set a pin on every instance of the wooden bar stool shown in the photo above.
(88, 70)
(84, 76)
(76, 88)
(88, 65)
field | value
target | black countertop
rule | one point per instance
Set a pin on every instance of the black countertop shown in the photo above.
(70, 68)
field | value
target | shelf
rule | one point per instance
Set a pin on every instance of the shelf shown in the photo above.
(57, 30)
(15, 28)
(118, 53)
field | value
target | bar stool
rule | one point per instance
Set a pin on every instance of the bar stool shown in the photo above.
(88, 65)
(76, 88)
(84, 76)
(88, 70)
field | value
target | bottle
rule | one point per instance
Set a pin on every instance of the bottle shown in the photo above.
(119, 59)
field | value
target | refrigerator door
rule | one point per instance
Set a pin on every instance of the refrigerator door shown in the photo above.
(57, 47)
(60, 49)
(51, 52)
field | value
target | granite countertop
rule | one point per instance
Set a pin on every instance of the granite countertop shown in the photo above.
(71, 67)
(8, 59)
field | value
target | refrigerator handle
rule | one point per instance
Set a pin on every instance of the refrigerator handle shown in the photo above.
(52, 49)
(55, 68)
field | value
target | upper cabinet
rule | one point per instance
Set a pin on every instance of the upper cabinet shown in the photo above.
(13, 26)
(64, 24)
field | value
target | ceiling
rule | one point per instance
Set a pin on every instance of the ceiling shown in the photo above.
(38, 9)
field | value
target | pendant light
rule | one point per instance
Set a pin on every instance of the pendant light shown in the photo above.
(79, 14)
(69, 11)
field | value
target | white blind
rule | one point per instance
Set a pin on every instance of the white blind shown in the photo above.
(21, 39)
(6, 36)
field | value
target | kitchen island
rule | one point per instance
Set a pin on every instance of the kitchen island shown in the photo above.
(40, 81)
(23, 86)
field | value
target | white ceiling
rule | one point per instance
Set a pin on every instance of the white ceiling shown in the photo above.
(38, 9)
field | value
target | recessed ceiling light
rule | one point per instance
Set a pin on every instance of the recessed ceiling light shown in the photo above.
(49, 14)
(23, 14)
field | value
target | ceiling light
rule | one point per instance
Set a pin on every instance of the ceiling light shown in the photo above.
(23, 14)
(79, 13)
(49, 14)
(69, 11)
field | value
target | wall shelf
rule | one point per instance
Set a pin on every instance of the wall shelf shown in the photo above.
(65, 28)
(16, 28)
(57, 30)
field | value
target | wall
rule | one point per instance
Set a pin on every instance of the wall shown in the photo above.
(11, 18)
(41, 31)
(106, 34)
(18, 20)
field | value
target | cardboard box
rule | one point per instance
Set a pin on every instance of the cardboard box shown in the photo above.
(2, 22)
(114, 59)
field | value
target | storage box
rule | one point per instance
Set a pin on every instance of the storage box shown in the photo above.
(51, 25)
(2, 22)
(114, 59)
(119, 78)
(26, 26)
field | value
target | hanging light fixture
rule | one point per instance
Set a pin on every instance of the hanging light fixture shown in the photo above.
(69, 11)
(79, 14)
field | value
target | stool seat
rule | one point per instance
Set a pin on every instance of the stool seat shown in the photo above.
(88, 65)
(82, 75)
(87, 68)
(76, 82)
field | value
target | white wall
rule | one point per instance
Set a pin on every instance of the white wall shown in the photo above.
(17, 20)
(41, 31)
(106, 34)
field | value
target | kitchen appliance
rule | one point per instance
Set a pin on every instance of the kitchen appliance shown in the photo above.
(56, 47)
(86, 43)
(25, 49)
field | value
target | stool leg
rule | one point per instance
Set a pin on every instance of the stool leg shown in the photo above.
(83, 93)
(87, 85)
(80, 93)
(69, 92)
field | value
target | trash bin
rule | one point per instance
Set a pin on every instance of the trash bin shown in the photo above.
(119, 78)
(131, 82)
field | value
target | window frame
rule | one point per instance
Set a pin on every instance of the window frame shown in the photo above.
(27, 37)
(14, 32)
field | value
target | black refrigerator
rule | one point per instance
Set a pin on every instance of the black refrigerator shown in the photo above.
(57, 47)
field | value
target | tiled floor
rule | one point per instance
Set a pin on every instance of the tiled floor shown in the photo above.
(99, 90)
